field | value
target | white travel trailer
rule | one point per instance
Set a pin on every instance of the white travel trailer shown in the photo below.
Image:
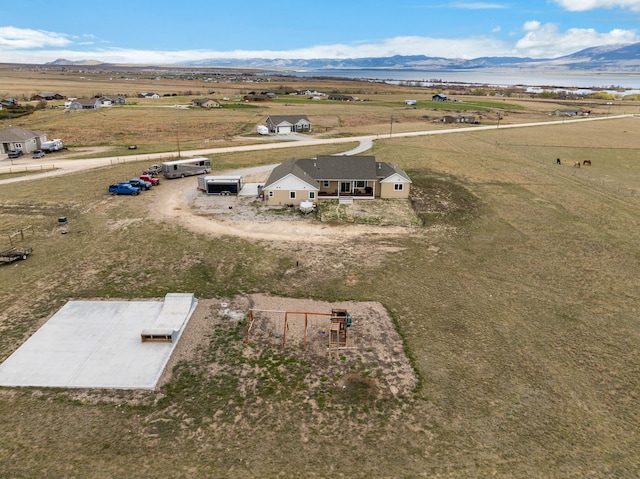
(188, 167)
(52, 145)
(263, 130)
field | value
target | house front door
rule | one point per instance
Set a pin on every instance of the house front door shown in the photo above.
(345, 187)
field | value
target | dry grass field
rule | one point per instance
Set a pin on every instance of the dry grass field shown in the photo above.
(516, 304)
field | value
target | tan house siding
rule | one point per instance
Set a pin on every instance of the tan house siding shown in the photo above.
(282, 197)
(388, 190)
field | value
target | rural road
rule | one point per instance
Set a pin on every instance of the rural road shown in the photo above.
(62, 166)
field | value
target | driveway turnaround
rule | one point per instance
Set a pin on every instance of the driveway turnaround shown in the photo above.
(101, 344)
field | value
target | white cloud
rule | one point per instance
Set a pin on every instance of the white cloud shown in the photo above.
(546, 41)
(539, 41)
(11, 37)
(585, 5)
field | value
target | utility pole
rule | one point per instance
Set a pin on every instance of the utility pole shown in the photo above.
(391, 127)
(178, 139)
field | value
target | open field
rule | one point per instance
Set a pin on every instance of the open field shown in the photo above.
(516, 304)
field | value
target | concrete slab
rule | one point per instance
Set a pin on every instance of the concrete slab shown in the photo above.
(97, 344)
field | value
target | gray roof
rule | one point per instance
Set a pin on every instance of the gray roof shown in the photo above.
(340, 167)
(293, 119)
(332, 168)
(11, 135)
(292, 167)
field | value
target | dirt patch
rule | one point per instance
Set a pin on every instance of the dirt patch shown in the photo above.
(372, 360)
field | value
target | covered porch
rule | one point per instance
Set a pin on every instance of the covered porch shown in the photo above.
(358, 189)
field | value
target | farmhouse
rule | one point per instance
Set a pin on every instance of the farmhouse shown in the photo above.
(439, 97)
(345, 178)
(48, 96)
(571, 112)
(205, 103)
(459, 118)
(113, 100)
(83, 104)
(341, 97)
(148, 94)
(8, 103)
(285, 124)
(19, 139)
(257, 97)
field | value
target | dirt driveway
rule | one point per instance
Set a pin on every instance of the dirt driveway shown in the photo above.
(248, 217)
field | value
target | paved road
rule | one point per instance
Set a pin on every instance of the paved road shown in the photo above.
(62, 167)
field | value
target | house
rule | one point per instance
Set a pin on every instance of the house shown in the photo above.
(338, 97)
(48, 97)
(148, 94)
(205, 103)
(285, 124)
(334, 177)
(572, 112)
(19, 139)
(439, 97)
(113, 100)
(83, 104)
(8, 103)
(459, 118)
(257, 97)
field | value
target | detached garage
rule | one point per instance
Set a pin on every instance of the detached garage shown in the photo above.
(220, 185)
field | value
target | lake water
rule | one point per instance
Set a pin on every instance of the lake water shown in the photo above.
(552, 80)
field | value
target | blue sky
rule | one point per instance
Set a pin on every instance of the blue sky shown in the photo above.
(144, 31)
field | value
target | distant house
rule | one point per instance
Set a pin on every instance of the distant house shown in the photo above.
(459, 118)
(257, 97)
(113, 100)
(439, 97)
(205, 103)
(83, 104)
(285, 124)
(148, 94)
(572, 112)
(339, 97)
(19, 139)
(334, 177)
(8, 103)
(48, 96)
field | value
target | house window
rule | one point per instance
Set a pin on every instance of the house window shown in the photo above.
(360, 184)
(292, 195)
(325, 183)
(398, 187)
(18, 145)
(312, 195)
(270, 194)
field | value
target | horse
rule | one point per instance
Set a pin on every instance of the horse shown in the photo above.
(576, 164)
(558, 162)
(586, 162)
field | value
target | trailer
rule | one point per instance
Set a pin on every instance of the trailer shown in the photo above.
(14, 254)
(52, 145)
(220, 185)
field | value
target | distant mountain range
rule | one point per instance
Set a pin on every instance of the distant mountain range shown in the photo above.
(622, 58)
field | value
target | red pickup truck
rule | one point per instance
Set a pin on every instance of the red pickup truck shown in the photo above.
(154, 181)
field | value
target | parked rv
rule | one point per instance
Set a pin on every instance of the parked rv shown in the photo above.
(188, 167)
